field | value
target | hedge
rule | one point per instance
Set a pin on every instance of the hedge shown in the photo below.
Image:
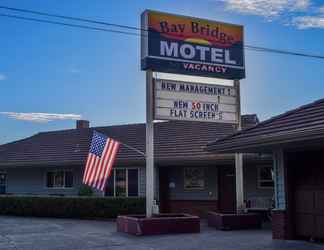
(70, 207)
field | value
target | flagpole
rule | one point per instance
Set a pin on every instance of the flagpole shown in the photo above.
(149, 144)
(132, 148)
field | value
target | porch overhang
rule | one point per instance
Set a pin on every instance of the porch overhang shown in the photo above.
(302, 127)
(267, 143)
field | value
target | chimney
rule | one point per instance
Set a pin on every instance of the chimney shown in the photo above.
(82, 124)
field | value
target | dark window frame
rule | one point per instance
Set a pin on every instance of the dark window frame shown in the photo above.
(113, 175)
(6, 182)
(260, 180)
(54, 186)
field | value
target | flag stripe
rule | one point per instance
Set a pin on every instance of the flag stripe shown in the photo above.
(87, 177)
(87, 168)
(94, 170)
(110, 164)
(109, 155)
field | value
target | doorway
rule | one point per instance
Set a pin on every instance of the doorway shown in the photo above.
(227, 189)
(164, 189)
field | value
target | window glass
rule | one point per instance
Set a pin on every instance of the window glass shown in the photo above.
(68, 179)
(120, 182)
(110, 185)
(3, 183)
(2, 179)
(194, 178)
(132, 182)
(265, 173)
(265, 177)
(59, 179)
(50, 179)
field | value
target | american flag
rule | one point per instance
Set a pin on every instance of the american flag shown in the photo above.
(101, 157)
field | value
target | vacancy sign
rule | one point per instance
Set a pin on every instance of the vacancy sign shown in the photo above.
(175, 100)
(191, 46)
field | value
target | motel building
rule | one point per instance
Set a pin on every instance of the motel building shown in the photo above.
(296, 141)
(188, 179)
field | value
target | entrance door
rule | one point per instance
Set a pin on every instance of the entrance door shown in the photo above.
(3, 183)
(227, 190)
(164, 189)
(309, 195)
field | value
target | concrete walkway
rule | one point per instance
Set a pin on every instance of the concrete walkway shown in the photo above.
(43, 233)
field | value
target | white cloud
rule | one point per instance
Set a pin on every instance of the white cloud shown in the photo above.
(306, 22)
(74, 71)
(41, 117)
(266, 8)
(303, 14)
(321, 9)
(3, 77)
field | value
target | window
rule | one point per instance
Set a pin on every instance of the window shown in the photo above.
(120, 182)
(265, 177)
(123, 183)
(194, 178)
(132, 182)
(3, 183)
(59, 179)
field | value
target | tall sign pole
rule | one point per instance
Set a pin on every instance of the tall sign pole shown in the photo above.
(190, 46)
(149, 144)
(239, 157)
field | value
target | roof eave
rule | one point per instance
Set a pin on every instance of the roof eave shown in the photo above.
(268, 144)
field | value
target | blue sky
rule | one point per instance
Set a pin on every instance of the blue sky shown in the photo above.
(59, 70)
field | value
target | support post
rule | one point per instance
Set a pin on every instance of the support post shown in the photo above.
(239, 156)
(149, 144)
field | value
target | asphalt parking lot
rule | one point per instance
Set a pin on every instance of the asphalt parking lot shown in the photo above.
(66, 234)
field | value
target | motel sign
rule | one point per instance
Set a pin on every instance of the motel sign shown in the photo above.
(192, 46)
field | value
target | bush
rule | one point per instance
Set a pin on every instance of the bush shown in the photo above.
(70, 207)
(85, 191)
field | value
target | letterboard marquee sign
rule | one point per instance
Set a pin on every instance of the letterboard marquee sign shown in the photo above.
(187, 45)
(175, 100)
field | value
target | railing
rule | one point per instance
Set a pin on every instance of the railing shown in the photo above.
(260, 203)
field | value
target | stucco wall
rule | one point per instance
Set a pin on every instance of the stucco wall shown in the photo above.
(32, 181)
(210, 192)
(251, 189)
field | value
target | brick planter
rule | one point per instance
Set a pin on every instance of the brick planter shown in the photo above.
(234, 221)
(158, 224)
(279, 225)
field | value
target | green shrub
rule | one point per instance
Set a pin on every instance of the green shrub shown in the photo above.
(85, 191)
(70, 207)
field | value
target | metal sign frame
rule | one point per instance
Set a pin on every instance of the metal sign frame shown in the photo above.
(202, 102)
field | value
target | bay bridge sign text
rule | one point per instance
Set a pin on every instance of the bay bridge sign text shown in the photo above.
(175, 100)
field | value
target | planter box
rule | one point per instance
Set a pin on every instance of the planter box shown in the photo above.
(158, 224)
(234, 221)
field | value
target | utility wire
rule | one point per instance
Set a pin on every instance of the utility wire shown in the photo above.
(69, 24)
(70, 18)
(249, 47)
